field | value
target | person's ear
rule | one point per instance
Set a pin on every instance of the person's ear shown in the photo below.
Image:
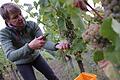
(7, 20)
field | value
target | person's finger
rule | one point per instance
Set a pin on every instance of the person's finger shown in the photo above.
(65, 46)
(68, 45)
(62, 47)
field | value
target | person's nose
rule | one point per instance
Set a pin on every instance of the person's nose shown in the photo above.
(20, 17)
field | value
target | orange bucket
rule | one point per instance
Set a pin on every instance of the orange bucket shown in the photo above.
(86, 76)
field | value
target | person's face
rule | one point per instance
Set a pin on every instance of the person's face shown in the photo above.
(16, 19)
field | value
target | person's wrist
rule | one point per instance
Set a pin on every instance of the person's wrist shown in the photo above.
(30, 46)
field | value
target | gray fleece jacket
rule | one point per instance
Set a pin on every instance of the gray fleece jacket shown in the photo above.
(15, 43)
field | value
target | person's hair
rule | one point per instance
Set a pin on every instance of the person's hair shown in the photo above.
(7, 8)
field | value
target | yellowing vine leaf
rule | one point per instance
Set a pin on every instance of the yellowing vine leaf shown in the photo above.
(116, 26)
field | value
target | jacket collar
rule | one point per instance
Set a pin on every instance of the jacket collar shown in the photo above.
(8, 26)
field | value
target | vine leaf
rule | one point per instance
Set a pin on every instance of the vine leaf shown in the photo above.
(98, 56)
(117, 45)
(69, 2)
(112, 55)
(35, 4)
(96, 1)
(107, 31)
(61, 24)
(43, 3)
(78, 24)
(78, 45)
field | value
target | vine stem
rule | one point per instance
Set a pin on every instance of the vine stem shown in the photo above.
(94, 10)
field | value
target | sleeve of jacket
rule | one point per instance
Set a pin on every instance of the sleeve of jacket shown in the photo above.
(11, 53)
(49, 45)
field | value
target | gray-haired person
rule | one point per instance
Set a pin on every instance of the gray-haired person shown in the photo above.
(20, 40)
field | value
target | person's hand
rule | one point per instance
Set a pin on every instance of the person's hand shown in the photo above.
(63, 45)
(37, 43)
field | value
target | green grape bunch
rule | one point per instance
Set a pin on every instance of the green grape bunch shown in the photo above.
(92, 36)
(112, 7)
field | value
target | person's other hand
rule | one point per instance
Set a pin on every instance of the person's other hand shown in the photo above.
(37, 43)
(63, 45)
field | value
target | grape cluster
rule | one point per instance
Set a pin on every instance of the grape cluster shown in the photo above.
(91, 33)
(92, 36)
(112, 7)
